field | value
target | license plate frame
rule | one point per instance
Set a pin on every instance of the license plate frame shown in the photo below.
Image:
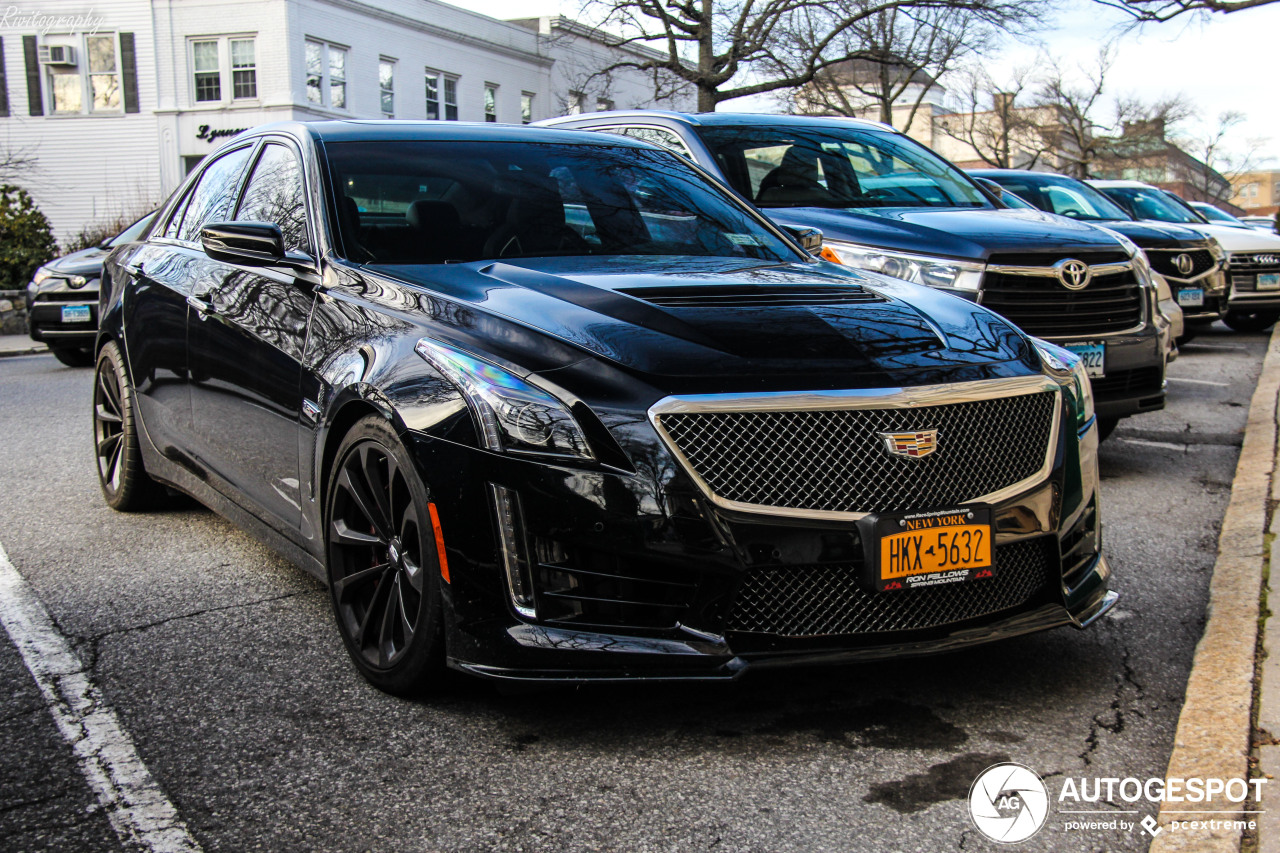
(916, 537)
(1269, 281)
(76, 314)
(1191, 297)
(1092, 353)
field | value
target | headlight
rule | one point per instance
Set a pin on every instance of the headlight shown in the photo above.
(1068, 369)
(1215, 249)
(1141, 266)
(514, 416)
(921, 269)
(41, 274)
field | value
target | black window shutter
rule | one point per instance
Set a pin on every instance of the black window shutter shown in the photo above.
(129, 72)
(35, 101)
(4, 84)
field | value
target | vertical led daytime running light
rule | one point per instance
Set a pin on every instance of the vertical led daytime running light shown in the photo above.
(514, 552)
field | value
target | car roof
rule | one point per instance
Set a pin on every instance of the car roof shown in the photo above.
(723, 119)
(1016, 173)
(393, 130)
(1133, 184)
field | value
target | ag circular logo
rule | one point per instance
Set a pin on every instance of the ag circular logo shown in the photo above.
(1008, 803)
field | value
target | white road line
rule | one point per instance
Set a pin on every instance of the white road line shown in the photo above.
(1198, 381)
(138, 810)
(1164, 445)
(1213, 346)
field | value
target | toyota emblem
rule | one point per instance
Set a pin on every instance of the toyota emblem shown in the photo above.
(1073, 274)
(1184, 263)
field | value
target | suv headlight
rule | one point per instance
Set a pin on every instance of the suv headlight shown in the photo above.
(921, 269)
(1068, 369)
(41, 274)
(1215, 249)
(1141, 266)
(514, 416)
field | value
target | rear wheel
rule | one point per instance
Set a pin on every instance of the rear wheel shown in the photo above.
(1106, 426)
(384, 573)
(73, 356)
(1252, 321)
(124, 481)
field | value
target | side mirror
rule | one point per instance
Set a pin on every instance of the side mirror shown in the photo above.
(991, 187)
(254, 244)
(810, 239)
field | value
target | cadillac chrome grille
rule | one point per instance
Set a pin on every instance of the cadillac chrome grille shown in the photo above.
(809, 601)
(835, 461)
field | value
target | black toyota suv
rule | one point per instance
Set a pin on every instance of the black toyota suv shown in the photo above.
(1191, 262)
(886, 203)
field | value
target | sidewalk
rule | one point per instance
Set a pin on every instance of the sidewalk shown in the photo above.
(1229, 727)
(19, 345)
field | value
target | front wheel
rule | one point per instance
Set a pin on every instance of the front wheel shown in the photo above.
(124, 481)
(1252, 321)
(73, 356)
(1106, 426)
(384, 572)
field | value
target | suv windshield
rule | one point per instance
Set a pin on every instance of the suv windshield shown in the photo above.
(1065, 197)
(426, 202)
(1212, 214)
(789, 166)
(1146, 203)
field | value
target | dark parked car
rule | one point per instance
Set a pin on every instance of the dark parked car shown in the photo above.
(886, 203)
(550, 405)
(62, 298)
(1190, 261)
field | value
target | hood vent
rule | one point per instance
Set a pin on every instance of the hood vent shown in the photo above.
(752, 296)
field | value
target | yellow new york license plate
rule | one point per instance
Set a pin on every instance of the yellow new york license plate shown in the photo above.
(931, 548)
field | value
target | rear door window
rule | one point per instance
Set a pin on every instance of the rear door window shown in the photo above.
(274, 194)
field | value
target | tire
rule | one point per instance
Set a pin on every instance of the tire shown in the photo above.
(73, 356)
(1252, 321)
(1106, 426)
(1189, 333)
(124, 481)
(381, 561)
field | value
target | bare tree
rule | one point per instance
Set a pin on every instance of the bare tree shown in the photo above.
(1001, 132)
(1164, 10)
(16, 164)
(734, 48)
(893, 52)
(1212, 146)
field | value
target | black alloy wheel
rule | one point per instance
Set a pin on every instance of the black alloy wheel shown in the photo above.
(73, 356)
(124, 481)
(384, 573)
(1252, 321)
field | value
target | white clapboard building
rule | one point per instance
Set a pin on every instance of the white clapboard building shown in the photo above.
(116, 104)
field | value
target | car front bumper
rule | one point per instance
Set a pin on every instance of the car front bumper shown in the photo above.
(49, 323)
(1134, 380)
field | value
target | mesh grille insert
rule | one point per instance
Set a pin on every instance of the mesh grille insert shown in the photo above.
(836, 461)
(809, 601)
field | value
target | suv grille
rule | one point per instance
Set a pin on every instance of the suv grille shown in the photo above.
(836, 461)
(1042, 306)
(1256, 262)
(1163, 262)
(808, 601)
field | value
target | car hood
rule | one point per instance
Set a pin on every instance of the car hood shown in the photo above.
(620, 309)
(952, 232)
(86, 262)
(1156, 235)
(1239, 239)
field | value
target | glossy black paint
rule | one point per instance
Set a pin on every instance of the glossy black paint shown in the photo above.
(249, 376)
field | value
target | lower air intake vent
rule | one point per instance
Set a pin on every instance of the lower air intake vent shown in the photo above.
(811, 601)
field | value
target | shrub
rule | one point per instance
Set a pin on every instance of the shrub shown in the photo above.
(26, 241)
(92, 235)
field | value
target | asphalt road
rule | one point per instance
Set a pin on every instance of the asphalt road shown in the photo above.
(222, 663)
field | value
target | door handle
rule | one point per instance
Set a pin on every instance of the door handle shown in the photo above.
(203, 308)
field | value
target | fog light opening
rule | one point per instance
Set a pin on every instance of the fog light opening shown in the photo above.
(514, 553)
(440, 554)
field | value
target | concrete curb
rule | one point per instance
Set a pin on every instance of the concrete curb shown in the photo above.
(1215, 726)
(33, 350)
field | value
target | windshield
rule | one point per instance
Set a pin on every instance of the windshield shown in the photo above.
(789, 166)
(1212, 214)
(1065, 197)
(426, 202)
(133, 232)
(1151, 203)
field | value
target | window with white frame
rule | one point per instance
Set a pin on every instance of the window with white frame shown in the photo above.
(93, 83)
(526, 107)
(223, 68)
(490, 102)
(574, 105)
(442, 96)
(387, 86)
(603, 105)
(326, 74)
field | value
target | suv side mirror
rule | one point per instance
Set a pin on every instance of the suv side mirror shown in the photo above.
(254, 244)
(810, 239)
(991, 187)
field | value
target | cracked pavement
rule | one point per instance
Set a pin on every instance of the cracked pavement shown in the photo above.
(222, 663)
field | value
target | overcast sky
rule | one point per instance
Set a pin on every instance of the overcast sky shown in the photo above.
(1227, 62)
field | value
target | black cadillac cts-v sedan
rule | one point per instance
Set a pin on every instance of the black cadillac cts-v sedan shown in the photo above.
(544, 405)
